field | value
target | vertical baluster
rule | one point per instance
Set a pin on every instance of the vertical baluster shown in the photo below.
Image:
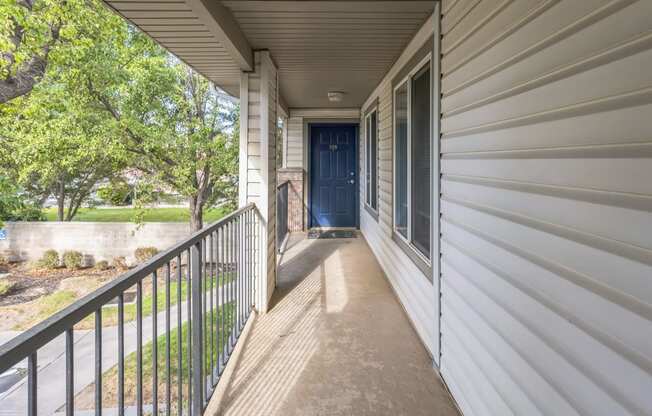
(32, 371)
(167, 340)
(189, 330)
(250, 259)
(98, 362)
(121, 355)
(241, 269)
(248, 256)
(221, 301)
(252, 280)
(139, 347)
(154, 343)
(227, 298)
(262, 252)
(204, 306)
(70, 373)
(179, 341)
(246, 262)
(243, 250)
(238, 276)
(257, 279)
(240, 273)
(212, 332)
(236, 261)
(197, 361)
(234, 278)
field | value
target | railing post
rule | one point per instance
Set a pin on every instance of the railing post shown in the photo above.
(197, 398)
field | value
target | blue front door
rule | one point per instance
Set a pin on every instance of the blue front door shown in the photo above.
(334, 175)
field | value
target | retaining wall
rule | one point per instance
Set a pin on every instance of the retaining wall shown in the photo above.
(98, 241)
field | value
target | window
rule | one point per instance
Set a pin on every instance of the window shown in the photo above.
(371, 160)
(412, 159)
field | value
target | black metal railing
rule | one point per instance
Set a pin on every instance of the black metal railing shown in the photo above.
(192, 300)
(282, 213)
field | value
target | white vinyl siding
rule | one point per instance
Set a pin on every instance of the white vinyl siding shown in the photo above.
(546, 229)
(414, 288)
(295, 147)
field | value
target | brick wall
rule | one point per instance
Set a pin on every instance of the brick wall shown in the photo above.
(295, 196)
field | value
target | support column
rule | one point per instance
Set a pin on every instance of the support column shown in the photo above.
(258, 118)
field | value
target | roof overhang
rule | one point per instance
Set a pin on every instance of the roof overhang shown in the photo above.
(319, 46)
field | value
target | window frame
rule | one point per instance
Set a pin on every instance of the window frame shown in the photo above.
(367, 163)
(407, 241)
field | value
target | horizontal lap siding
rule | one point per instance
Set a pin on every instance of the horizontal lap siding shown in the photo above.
(295, 143)
(414, 290)
(254, 165)
(547, 206)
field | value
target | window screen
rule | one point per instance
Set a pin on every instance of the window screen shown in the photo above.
(420, 129)
(373, 156)
(368, 161)
(401, 161)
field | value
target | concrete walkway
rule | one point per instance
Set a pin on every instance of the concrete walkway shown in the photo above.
(336, 342)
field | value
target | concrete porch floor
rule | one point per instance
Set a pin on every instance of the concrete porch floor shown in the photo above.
(336, 342)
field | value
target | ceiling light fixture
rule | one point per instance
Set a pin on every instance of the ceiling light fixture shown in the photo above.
(335, 96)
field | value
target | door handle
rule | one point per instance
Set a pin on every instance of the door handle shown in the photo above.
(352, 181)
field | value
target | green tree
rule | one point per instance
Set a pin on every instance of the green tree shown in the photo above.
(178, 127)
(110, 98)
(37, 33)
(55, 141)
(61, 149)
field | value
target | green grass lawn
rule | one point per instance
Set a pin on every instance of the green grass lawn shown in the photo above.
(110, 376)
(110, 314)
(47, 306)
(128, 214)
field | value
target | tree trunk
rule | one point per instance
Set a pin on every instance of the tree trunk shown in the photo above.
(61, 200)
(196, 214)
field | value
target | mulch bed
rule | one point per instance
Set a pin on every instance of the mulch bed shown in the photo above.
(30, 284)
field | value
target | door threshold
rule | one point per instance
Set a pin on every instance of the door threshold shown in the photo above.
(333, 229)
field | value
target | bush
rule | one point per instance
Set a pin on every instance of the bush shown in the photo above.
(73, 259)
(15, 205)
(27, 213)
(120, 263)
(116, 192)
(50, 260)
(102, 265)
(143, 254)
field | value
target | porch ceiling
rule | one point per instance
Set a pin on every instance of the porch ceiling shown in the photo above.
(319, 46)
(322, 46)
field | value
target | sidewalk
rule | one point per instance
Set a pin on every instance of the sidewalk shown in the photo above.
(52, 366)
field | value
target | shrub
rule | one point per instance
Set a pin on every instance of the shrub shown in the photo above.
(73, 259)
(50, 260)
(15, 205)
(143, 254)
(120, 263)
(28, 212)
(102, 265)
